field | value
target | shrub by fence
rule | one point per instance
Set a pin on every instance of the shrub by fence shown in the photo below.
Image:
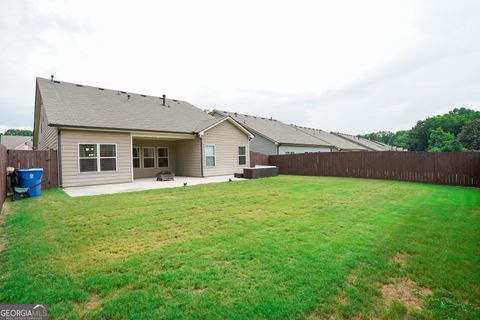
(258, 158)
(455, 168)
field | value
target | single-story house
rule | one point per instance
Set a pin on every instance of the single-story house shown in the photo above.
(275, 137)
(341, 144)
(370, 145)
(17, 142)
(110, 136)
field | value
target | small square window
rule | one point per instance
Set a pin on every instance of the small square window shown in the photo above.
(88, 165)
(88, 150)
(108, 164)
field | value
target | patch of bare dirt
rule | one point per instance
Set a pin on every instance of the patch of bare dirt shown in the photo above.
(197, 290)
(407, 292)
(94, 302)
(5, 209)
(400, 259)
(343, 299)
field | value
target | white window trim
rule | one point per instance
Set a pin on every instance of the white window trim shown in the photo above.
(168, 157)
(239, 155)
(154, 158)
(214, 155)
(97, 157)
(140, 162)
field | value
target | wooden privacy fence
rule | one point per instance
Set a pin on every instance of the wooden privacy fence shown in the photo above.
(46, 159)
(454, 168)
(3, 177)
(258, 158)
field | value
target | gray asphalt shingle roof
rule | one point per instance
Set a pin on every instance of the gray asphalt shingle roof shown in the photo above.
(339, 142)
(274, 130)
(69, 104)
(16, 142)
(371, 145)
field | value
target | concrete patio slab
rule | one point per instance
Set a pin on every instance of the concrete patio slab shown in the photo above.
(144, 184)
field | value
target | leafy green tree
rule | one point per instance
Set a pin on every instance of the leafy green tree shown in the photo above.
(441, 141)
(380, 136)
(399, 139)
(469, 137)
(451, 122)
(18, 132)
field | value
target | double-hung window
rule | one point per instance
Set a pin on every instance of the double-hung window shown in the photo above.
(148, 157)
(136, 157)
(162, 157)
(94, 157)
(242, 155)
(87, 154)
(210, 156)
(108, 157)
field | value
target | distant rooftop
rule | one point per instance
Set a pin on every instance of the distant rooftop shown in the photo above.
(274, 130)
(369, 144)
(17, 142)
(339, 142)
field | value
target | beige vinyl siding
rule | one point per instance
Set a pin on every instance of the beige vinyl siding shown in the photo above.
(47, 136)
(188, 158)
(71, 176)
(152, 172)
(226, 138)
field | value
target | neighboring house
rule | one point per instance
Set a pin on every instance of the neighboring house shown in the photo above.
(109, 136)
(341, 144)
(369, 144)
(17, 142)
(275, 137)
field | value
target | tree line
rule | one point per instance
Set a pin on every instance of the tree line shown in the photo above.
(457, 130)
(17, 132)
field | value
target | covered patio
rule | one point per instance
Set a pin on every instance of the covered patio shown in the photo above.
(144, 184)
(176, 153)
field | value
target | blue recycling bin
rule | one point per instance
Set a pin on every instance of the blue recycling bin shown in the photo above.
(32, 179)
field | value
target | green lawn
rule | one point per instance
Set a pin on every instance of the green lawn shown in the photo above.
(283, 247)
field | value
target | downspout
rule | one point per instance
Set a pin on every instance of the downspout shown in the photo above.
(201, 156)
(59, 158)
